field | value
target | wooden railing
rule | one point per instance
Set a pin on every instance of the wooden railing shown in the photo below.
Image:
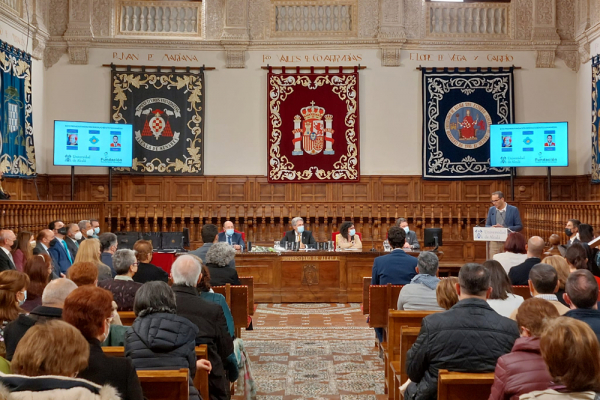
(33, 216)
(545, 218)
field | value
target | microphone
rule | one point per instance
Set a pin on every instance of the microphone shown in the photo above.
(481, 222)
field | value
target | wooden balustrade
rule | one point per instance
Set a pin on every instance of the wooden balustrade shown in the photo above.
(34, 216)
(545, 218)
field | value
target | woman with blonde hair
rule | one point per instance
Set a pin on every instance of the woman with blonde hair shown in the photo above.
(562, 268)
(89, 251)
(13, 293)
(446, 292)
(572, 354)
(23, 249)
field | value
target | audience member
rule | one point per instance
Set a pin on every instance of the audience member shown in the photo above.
(206, 293)
(89, 309)
(582, 297)
(43, 240)
(22, 249)
(96, 227)
(72, 239)
(347, 238)
(572, 355)
(122, 286)
(523, 370)
(85, 227)
(420, 293)
(7, 240)
(515, 252)
(218, 261)
(108, 246)
(586, 233)
(502, 300)
(159, 338)
(397, 268)
(562, 268)
(577, 258)
(89, 251)
(13, 293)
(543, 284)
(519, 274)
(46, 360)
(231, 237)
(53, 300)
(445, 292)
(58, 249)
(39, 275)
(411, 240)
(209, 235)
(572, 231)
(209, 319)
(469, 337)
(147, 272)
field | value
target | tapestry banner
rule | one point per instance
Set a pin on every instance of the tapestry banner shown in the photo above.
(17, 152)
(595, 119)
(313, 129)
(458, 109)
(166, 110)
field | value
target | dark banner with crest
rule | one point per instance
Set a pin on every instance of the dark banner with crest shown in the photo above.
(458, 109)
(595, 119)
(313, 129)
(167, 113)
(17, 152)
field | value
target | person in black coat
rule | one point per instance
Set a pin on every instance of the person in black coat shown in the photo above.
(7, 239)
(582, 296)
(519, 274)
(147, 272)
(298, 234)
(470, 337)
(218, 258)
(208, 317)
(89, 309)
(160, 339)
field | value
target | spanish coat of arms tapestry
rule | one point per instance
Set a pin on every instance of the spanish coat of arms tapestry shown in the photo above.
(17, 152)
(313, 129)
(595, 119)
(166, 110)
(458, 109)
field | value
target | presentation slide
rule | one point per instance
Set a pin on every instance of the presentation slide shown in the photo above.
(529, 145)
(92, 144)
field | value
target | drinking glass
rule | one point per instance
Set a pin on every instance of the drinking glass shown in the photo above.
(289, 246)
(331, 245)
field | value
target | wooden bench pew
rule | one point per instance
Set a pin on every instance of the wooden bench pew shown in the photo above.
(127, 317)
(408, 337)
(200, 380)
(237, 300)
(521, 290)
(381, 299)
(365, 294)
(164, 384)
(249, 281)
(464, 385)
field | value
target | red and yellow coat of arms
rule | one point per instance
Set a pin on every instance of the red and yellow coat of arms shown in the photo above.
(314, 134)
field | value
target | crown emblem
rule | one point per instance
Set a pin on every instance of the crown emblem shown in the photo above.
(312, 111)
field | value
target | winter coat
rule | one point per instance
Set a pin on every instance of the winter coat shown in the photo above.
(521, 371)
(163, 341)
(470, 337)
(20, 387)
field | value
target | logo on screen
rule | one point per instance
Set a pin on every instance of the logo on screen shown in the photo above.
(468, 125)
(67, 158)
(157, 133)
(94, 140)
(527, 140)
(503, 160)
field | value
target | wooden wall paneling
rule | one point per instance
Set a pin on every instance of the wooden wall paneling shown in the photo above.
(438, 190)
(361, 191)
(594, 192)
(148, 189)
(187, 189)
(310, 192)
(265, 191)
(477, 190)
(527, 189)
(231, 188)
(396, 189)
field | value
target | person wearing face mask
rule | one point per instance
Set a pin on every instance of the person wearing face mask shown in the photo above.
(411, 237)
(89, 309)
(230, 236)
(13, 293)
(42, 244)
(347, 238)
(73, 238)
(59, 251)
(23, 249)
(7, 240)
(298, 234)
(85, 227)
(572, 233)
(108, 247)
(95, 227)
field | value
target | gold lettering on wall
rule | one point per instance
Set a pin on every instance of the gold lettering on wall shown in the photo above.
(308, 258)
(457, 57)
(171, 57)
(312, 58)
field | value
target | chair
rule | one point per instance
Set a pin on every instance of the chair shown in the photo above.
(334, 234)
(165, 385)
(237, 300)
(521, 290)
(127, 317)
(464, 385)
(365, 294)
(249, 281)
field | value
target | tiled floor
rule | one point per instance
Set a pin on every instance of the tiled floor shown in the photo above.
(316, 351)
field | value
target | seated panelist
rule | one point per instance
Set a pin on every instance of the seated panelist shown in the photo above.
(347, 238)
(230, 236)
(298, 234)
(411, 236)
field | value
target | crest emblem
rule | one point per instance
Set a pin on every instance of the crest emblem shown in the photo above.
(13, 106)
(468, 125)
(157, 134)
(315, 133)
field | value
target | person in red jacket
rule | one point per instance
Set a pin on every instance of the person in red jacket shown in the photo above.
(523, 370)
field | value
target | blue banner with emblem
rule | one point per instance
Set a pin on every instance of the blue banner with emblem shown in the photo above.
(595, 119)
(458, 109)
(17, 152)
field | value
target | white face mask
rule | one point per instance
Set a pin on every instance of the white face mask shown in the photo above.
(89, 232)
(78, 236)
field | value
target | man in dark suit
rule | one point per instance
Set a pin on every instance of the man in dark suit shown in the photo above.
(58, 250)
(42, 245)
(519, 274)
(7, 239)
(411, 236)
(73, 237)
(298, 234)
(209, 235)
(208, 317)
(501, 215)
(397, 268)
(232, 237)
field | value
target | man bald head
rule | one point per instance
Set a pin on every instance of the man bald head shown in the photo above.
(56, 292)
(535, 247)
(186, 271)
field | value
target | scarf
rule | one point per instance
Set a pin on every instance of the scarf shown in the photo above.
(430, 281)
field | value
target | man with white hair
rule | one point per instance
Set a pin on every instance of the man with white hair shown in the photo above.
(53, 299)
(7, 239)
(85, 227)
(208, 317)
(298, 234)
